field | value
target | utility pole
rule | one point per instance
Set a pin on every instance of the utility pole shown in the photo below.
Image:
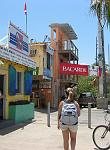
(108, 58)
(102, 79)
(102, 100)
(100, 58)
(96, 52)
(104, 67)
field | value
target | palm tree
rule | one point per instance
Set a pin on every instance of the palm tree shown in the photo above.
(102, 10)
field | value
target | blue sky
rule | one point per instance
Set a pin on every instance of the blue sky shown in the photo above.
(41, 13)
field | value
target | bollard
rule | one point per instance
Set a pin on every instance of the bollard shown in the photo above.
(48, 115)
(89, 115)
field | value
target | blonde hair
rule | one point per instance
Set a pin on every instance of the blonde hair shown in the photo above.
(71, 94)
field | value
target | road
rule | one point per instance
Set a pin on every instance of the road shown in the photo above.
(38, 136)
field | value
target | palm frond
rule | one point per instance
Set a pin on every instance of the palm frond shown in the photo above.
(96, 7)
(101, 8)
(107, 12)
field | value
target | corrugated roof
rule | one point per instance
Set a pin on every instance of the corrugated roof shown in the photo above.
(67, 29)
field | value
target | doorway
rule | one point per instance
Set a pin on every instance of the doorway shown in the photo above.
(1, 94)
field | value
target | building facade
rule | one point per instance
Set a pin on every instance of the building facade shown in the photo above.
(62, 36)
(42, 53)
(16, 77)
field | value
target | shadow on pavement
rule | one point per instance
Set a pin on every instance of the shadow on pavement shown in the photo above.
(15, 127)
(45, 110)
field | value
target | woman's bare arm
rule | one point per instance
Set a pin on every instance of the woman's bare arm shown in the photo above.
(78, 108)
(59, 113)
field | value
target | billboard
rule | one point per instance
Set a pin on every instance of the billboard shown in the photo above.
(77, 69)
(17, 40)
(17, 50)
(73, 69)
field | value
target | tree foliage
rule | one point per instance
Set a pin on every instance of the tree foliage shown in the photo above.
(87, 84)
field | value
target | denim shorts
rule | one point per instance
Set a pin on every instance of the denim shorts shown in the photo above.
(72, 128)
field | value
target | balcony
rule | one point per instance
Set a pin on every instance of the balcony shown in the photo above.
(65, 79)
(47, 74)
(69, 50)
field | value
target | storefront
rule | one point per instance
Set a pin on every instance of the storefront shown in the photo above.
(16, 77)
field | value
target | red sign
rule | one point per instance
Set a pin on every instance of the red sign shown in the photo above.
(75, 69)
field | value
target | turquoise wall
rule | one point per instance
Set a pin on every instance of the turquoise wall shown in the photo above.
(21, 113)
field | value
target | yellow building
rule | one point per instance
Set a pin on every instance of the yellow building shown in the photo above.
(42, 53)
(16, 77)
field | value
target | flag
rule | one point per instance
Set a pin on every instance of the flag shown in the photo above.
(25, 11)
(25, 8)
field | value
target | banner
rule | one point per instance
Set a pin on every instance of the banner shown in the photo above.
(17, 57)
(95, 71)
(73, 69)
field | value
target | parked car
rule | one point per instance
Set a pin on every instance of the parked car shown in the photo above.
(85, 98)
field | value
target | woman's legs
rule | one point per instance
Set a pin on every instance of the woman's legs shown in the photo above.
(66, 139)
(73, 140)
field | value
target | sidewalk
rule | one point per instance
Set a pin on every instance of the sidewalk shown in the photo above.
(37, 136)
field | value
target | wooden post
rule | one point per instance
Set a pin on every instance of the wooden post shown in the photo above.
(89, 115)
(48, 114)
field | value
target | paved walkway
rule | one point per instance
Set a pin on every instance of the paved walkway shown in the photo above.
(37, 136)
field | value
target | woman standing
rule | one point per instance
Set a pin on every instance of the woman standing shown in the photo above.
(68, 114)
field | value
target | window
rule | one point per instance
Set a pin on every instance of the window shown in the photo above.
(33, 51)
(43, 62)
(18, 82)
(65, 45)
(54, 35)
(48, 60)
(35, 84)
(36, 71)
